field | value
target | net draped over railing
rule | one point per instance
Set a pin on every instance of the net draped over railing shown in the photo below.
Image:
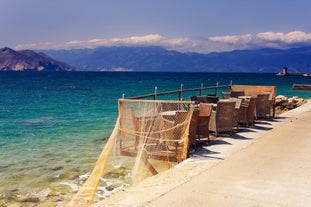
(149, 137)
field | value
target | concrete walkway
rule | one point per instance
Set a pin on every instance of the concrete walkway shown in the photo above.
(267, 165)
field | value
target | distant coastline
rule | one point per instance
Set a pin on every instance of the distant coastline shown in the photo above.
(294, 74)
(285, 73)
(28, 60)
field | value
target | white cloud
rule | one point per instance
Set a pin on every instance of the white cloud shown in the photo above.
(202, 45)
(40, 45)
(234, 39)
(289, 38)
(130, 41)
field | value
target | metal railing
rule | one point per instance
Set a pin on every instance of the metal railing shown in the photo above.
(180, 91)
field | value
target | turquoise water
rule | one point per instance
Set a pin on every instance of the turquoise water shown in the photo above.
(53, 125)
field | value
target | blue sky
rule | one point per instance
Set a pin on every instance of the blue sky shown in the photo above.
(185, 25)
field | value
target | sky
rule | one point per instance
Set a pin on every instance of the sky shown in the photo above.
(184, 25)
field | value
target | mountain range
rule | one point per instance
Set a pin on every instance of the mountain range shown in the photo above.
(154, 58)
(28, 60)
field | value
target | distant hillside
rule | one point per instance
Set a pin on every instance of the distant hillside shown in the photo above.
(160, 59)
(28, 60)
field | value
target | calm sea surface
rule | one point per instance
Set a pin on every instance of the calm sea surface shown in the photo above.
(53, 125)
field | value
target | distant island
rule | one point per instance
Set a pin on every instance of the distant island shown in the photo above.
(28, 60)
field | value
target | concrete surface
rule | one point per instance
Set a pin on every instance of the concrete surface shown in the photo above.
(266, 165)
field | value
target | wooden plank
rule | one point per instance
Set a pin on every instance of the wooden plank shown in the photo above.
(251, 90)
(145, 159)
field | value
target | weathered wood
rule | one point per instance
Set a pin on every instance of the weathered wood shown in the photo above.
(254, 90)
(145, 159)
(306, 87)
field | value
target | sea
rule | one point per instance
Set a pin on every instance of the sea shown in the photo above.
(53, 125)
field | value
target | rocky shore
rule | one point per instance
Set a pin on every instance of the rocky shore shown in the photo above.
(284, 104)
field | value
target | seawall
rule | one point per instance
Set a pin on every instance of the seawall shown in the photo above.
(267, 165)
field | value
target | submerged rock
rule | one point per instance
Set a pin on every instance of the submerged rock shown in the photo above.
(60, 190)
(71, 175)
(56, 168)
(114, 186)
(30, 198)
(47, 204)
(3, 203)
(117, 173)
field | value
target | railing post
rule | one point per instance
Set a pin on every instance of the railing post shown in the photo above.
(231, 83)
(201, 90)
(180, 92)
(155, 93)
(216, 89)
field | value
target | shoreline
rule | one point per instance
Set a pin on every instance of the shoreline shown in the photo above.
(201, 179)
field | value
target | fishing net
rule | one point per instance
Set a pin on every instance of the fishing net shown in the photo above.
(149, 137)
